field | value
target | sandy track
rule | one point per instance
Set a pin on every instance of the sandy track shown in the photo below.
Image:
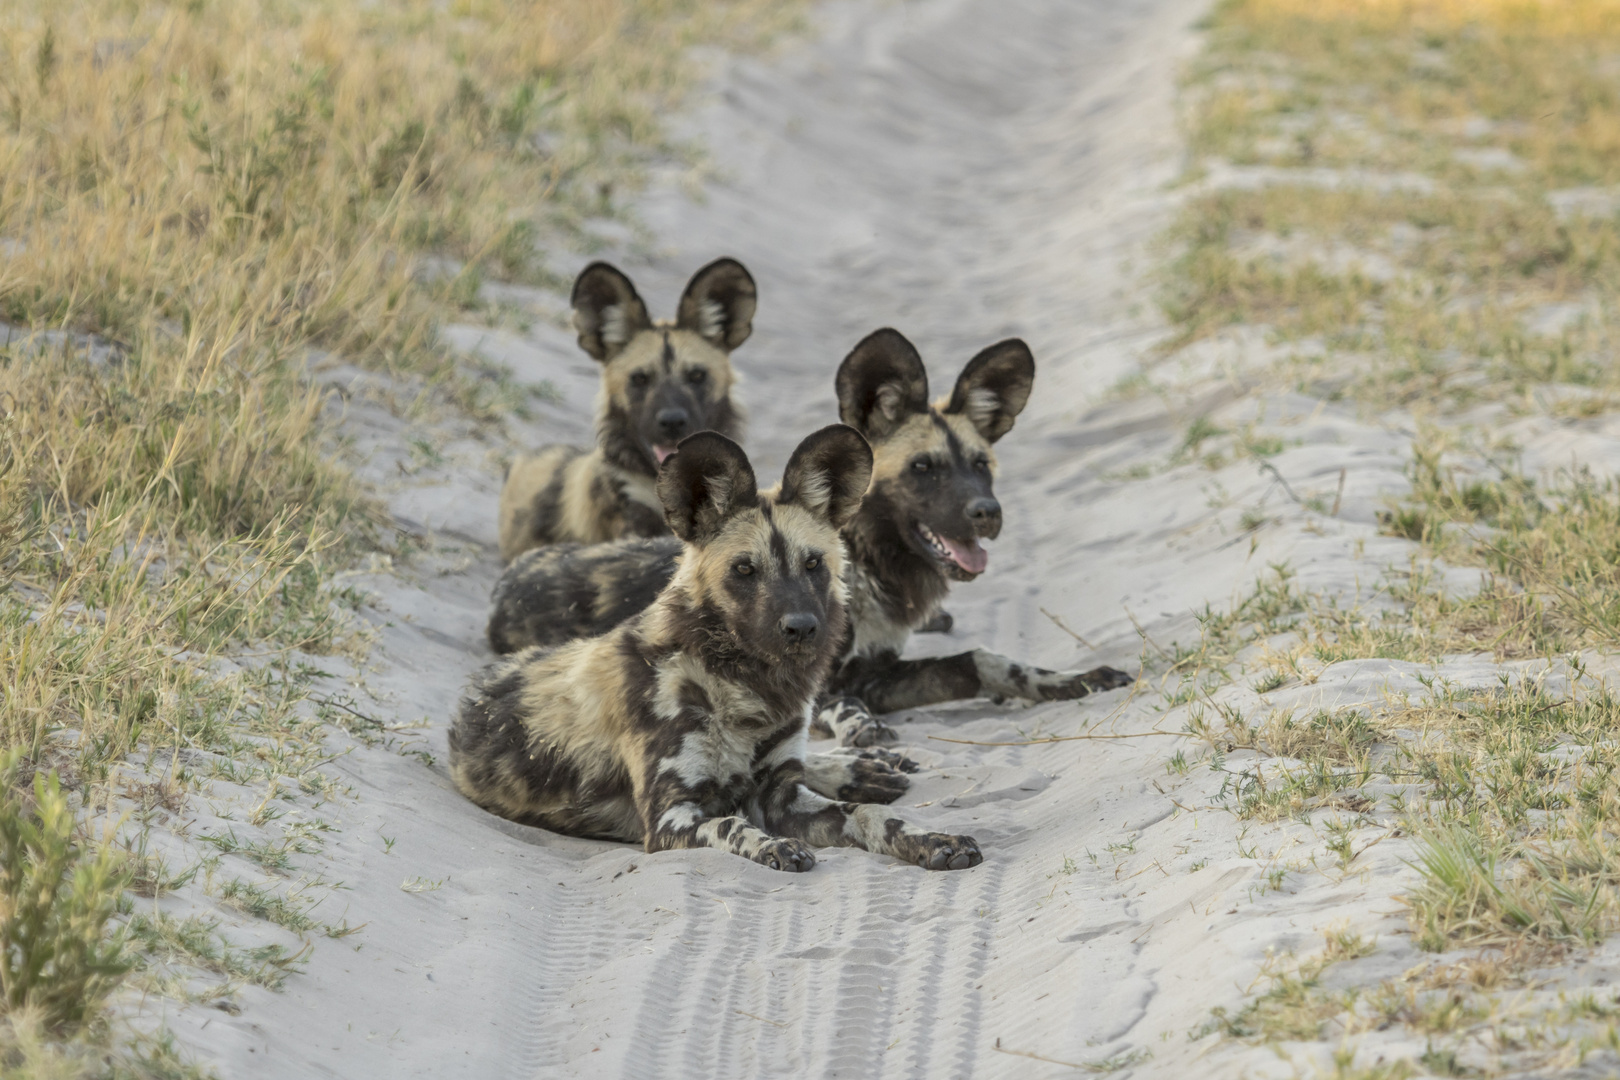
(963, 171)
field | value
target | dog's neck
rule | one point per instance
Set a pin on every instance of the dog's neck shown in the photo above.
(906, 583)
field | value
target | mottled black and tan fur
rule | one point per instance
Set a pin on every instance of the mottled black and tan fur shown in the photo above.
(685, 725)
(661, 381)
(931, 501)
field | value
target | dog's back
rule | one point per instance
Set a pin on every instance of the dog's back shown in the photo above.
(551, 595)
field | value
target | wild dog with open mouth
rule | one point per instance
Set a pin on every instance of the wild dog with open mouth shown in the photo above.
(685, 726)
(660, 382)
(930, 503)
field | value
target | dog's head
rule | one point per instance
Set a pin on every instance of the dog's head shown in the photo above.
(766, 569)
(933, 467)
(663, 381)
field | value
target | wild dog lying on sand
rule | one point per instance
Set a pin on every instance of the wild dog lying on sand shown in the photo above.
(918, 530)
(685, 725)
(660, 382)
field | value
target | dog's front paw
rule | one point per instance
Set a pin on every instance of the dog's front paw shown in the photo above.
(785, 853)
(872, 780)
(941, 851)
(892, 758)
(868, 730)
(1107, 678)
(1067, 686)
(849, 721)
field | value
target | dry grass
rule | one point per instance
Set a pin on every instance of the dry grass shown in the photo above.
(215, 189)
(1477, 288)
(195, 198)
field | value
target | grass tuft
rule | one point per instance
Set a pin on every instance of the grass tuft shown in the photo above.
(58, 963)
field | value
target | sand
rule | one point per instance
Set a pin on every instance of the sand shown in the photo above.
(963, 170)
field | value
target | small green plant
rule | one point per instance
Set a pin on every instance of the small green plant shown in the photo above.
(1339, 833)
(197, 942)
(1270, 681)
(1200, 430)
(57, 960)
(261, 903)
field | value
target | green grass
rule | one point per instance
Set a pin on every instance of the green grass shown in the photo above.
(196, 942)
(1435, 281)
(1431, 294)
(58, 960)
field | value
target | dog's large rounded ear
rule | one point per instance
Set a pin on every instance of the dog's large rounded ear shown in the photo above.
(994, 388)
(705, 481)
(828, 474)
(881, 383)
(718, 304)
(607, 311)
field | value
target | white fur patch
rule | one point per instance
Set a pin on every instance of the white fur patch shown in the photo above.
(694, 763)
(808, 802)
(679, 817)
(711, 320)
(789, 749)
(615, 327)
(815, 492)
(982, 406)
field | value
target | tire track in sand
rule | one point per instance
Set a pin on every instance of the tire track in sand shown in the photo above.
(573, 940)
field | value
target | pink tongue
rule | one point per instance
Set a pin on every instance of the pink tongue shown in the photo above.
(970, 557)
(662, 452)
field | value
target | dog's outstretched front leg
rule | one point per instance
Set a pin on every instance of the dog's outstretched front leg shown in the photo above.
(794, 810)
(683, 825)
(672, 817)
(888, 684)
(1000, 677)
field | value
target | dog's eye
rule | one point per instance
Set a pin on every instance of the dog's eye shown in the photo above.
(696, 376)
(639, 379)
(921, 465)
(982, 463)
(743, 569)
(812, 562)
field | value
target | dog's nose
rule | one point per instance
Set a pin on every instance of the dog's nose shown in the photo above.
(984, 511)
(672, 422)
(800, 627)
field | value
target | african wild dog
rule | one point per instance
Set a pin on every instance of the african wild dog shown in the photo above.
(930, 503)
(685, 725)
(918, 530)
(660, 382)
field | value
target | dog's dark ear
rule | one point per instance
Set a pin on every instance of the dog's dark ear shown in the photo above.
(607, 311)
(705, 481)
(994, 387)
(828, 474)
(719, 304)
(880, 383)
